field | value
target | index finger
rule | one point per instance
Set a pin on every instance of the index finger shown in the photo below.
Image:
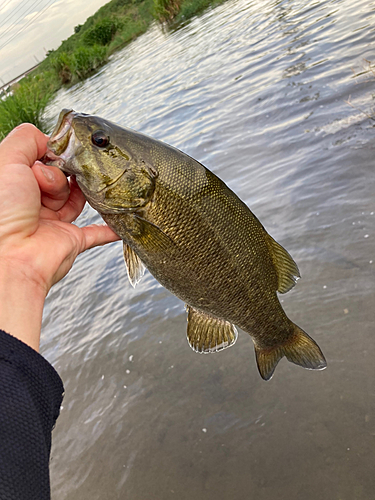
(24, 145)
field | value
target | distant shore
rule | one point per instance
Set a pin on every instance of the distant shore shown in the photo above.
(112, 27)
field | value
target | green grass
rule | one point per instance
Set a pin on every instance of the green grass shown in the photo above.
(77, 65)
(190, 8)
(166, 10)
(110, 28)
(27, 103)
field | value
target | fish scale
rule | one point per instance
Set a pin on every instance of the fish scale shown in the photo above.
(220, 235)
(194, 235)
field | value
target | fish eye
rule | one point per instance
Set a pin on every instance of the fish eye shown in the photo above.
(100, 139)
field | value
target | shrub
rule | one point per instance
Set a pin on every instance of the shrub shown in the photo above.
(101, 33)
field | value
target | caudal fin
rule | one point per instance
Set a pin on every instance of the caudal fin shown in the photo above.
(301, 350)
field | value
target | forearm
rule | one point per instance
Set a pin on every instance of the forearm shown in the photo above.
(21, 305)
(30, 398)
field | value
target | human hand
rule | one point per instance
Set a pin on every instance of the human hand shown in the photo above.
(38, 243)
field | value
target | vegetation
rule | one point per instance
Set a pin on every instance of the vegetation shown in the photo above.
(77, 65)
(179, 10)
(190, 8)
(27, 102)
(102, 32)
(110, 28)
(166, 10)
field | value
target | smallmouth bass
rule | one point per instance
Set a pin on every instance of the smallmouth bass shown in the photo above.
(196, 237)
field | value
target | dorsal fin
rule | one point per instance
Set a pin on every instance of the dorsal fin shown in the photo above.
(286, 269)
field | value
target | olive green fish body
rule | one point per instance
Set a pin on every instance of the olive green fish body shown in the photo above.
(194, 235)
(218, 260)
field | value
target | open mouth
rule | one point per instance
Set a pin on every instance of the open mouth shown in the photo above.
(62, 141)
(49, 158)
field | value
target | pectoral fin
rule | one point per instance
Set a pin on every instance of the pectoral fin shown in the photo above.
(150, 236)
(286, 269)
(134, 265)
(206, 333)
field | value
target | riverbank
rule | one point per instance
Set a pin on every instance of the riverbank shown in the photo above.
(87, 49)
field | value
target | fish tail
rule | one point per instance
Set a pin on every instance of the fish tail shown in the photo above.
(300, 349)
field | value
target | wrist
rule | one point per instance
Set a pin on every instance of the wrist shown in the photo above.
(21, 304)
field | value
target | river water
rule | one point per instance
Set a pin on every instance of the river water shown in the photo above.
(276, 98)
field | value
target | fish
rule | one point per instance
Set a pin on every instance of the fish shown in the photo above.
(194, 235)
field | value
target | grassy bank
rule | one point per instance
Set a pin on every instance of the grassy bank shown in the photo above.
(110, 28)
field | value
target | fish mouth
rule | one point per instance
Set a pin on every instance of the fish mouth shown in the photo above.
(62, 143)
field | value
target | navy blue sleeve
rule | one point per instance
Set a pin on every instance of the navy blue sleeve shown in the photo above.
(31, 393)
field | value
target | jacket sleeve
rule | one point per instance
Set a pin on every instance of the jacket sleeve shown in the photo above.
(31, 393)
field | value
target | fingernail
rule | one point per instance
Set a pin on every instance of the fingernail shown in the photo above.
(47, 174)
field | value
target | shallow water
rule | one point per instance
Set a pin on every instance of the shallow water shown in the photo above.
(273, 97)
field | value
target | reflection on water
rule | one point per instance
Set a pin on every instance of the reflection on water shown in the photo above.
(264, 93)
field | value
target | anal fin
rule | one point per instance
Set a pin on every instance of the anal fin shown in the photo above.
(134, 265)
(207, 334)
